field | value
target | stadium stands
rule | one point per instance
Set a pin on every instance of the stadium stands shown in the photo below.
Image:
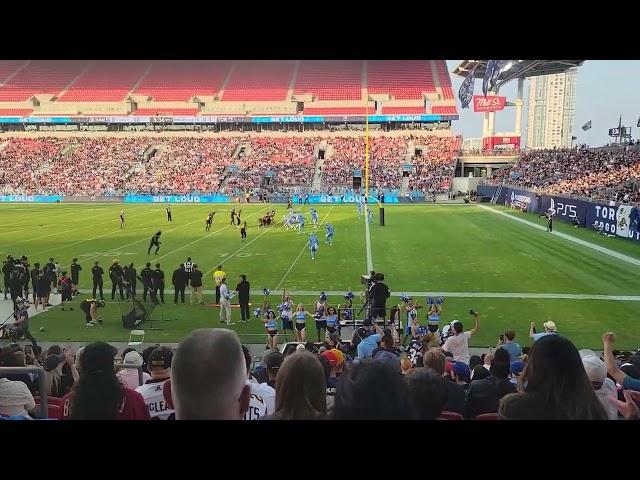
(598, 174)
(18, 112)
(401, 79)
(180, 80)
(418, 110)
(105, 81)
(41, 77)
(339, 111)
(166, 111)
(259, 80)
(443, 110)
(330, 79)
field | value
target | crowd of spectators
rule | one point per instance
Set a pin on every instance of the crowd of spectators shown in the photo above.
(189, 165)
(611, 173)
(211, 376)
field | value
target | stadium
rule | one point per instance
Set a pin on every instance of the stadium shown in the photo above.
(120, 179)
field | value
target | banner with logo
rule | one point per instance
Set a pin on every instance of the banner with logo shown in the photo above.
(351, 198)
(176, 199)
(492, 103)
(621, 220)
(30, 198)
(565, 208)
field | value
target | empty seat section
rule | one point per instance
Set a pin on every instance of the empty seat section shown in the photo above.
(166, 111)
(338, 111)
(106, 81)
(9, 67)
(445, 79)
(402, 79)
(402, 110)
(15, 112)
(41, 77)
(444, 110)
(330, 79)
(178, 80)
(259, 80)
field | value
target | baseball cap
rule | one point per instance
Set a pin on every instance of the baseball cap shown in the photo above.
(595, 368)
(461, 369)
(274, 360)
(334, 356)
(550, 325)
(134, 358)
(161, 357)
(52, 361)
(517, 367)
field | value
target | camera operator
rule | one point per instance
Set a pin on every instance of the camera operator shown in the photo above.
(378, 294)
(21, 326)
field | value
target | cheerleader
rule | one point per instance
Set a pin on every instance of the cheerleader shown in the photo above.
(320, 316)
(411, 310)
(272, 330)
(332, 325)
(286, 313)
(300, 316)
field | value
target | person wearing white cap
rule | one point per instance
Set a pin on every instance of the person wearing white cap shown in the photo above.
(129, 376)
(549, 329)
(604, 387)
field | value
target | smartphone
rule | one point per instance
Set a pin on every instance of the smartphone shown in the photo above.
(502, 337)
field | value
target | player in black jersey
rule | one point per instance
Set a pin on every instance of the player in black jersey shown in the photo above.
(209, 221)
(75, 275)
(121, 219)
(169, 219)
(155, 240)
(238, 218)
(233, 216)
(243, 231)
(90, 307)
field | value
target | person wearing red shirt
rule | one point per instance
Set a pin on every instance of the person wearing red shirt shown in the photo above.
(98, 394)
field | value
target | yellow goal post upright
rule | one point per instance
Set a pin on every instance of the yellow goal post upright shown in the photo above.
(366, 167)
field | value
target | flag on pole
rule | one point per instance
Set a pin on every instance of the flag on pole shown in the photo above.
(586, 126)
(638, 125)
(465, 94)
(491, 65)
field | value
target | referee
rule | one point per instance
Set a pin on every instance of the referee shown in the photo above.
(549, 221)
(188, 268)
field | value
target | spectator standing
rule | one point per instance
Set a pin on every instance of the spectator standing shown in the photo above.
(179, 280)
(129, 376)
(624, 380)
(371, 390)
(273, 364)
(15, 397)
(549, 329)
(57, 384)
(604, 387)
(555, 386)
(458, 343)
(196, 284)
(300, 389)
(483, 396)
(208, 377)
(368, 340)
(435, 360)
(427, 394)
(225, 303)
(98, 394)
(514, 349)
(160, 369)
(263, 397)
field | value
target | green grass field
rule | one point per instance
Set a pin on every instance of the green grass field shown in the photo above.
(470, 255)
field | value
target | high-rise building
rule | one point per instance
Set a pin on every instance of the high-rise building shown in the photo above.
(552, 110)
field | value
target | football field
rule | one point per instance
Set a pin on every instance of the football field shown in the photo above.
(499, 262)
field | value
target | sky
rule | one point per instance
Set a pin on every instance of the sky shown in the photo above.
(606, 89)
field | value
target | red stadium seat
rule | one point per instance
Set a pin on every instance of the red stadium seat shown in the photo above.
(330, 79)
(450, 416)
(259, 80)
(402, 79)
(487, 416)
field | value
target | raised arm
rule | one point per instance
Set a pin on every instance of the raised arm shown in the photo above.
(476, 324)
(608, 340)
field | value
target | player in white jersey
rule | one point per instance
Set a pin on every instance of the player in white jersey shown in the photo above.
(314, 216)
(159, 367)
(360, 206)
(369, 215)
(300, 223)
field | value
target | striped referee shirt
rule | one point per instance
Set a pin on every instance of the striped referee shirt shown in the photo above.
(188, 267)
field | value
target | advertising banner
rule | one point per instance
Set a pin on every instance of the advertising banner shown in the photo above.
(344, 199)
(176, 199)
(30, 198)
(488, 104)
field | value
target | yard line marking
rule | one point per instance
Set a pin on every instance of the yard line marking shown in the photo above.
(226, 259)
(519, 295)
(368, 239)
(607, 251)
(301, 252)
(187, 244)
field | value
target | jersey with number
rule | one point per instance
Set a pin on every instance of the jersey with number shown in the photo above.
(153, 397)
(257, 407)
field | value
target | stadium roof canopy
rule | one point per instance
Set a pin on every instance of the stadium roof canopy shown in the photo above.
(518, 68)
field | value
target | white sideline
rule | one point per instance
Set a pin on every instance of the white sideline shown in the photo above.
(607, 251)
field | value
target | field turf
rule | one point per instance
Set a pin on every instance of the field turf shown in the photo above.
(466, 253)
